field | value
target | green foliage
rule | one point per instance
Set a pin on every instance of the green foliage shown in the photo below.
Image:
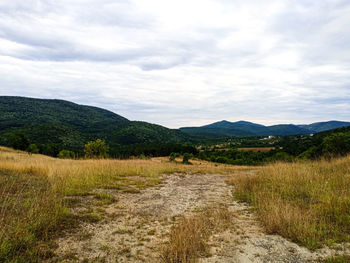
(152, 150)
(142, 157)
(55, 125)
(96, 149)
(337, 144)
(310, 153)
(66, 154)
(19, 141)
(32, 148)
(202, 155)
(186, 158)
(237, 157)
(172, 157)
(142, 132)
(51, 149)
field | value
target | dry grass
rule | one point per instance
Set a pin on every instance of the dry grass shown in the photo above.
(32, 190)
(307, 202)
(187, 240)
(256, 149)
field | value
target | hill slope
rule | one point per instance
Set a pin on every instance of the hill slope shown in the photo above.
(69, 126)
(287, 129)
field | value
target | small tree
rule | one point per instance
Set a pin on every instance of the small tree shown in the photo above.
(337, 144)
(19, 141)
(66, 154)
(202, 155)
(186, 158)
(96, 149)
(172, 157)
(32, 148)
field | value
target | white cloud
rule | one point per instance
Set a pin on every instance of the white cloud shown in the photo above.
(181, 63)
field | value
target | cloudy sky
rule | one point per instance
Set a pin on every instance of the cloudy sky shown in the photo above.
(184, 62)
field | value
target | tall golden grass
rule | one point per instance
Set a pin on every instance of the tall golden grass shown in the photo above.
(188, 238)
(32, 190)
(307, 202)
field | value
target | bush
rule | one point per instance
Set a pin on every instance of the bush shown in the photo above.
(66, 154)
(32, 148)
(202, 156)
(186, 158)
(19, 141)
(337, 144)
(172, 157)
(221, 159)
(96, 149)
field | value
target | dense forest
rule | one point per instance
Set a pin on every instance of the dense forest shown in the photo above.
(56, 125)
(224, 129)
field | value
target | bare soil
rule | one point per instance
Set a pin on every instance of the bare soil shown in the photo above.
(136, 227)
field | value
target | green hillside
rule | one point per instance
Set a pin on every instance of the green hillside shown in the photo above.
(56, 124)
(243, 128)
(324, 126)
(224, 128)
(287, 129)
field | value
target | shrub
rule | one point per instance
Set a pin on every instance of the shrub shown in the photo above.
(186, 158)
(172, 157)
(337, 144)
(96, 149)
(19, 141)
(32, 148)
(66, 154)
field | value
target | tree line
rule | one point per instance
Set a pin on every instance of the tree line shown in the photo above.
(100, 149)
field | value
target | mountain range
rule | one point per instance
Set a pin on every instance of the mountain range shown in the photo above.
(71, 125)
(244, 128)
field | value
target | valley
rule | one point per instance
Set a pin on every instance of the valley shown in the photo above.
(82, 184)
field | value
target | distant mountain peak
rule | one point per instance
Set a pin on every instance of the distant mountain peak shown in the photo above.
(226, 128)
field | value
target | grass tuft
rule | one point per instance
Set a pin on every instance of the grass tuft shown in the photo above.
(187, 240)
(338, 259)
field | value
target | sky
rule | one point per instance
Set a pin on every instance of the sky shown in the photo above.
(184, 62)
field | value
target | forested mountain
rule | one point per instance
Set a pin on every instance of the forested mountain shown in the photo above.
(287, 129)
(325, 126)
(243, 128)
(58, 124)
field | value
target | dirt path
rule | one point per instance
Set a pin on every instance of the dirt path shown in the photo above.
(135, 228)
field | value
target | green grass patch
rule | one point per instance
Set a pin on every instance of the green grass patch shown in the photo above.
(105, 198)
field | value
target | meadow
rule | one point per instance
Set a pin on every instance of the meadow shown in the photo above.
(34, 208)
(306, 202)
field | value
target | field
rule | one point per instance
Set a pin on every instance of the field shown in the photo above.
(306, 202)
(256, 149)
(154, 210)
(34, 188)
